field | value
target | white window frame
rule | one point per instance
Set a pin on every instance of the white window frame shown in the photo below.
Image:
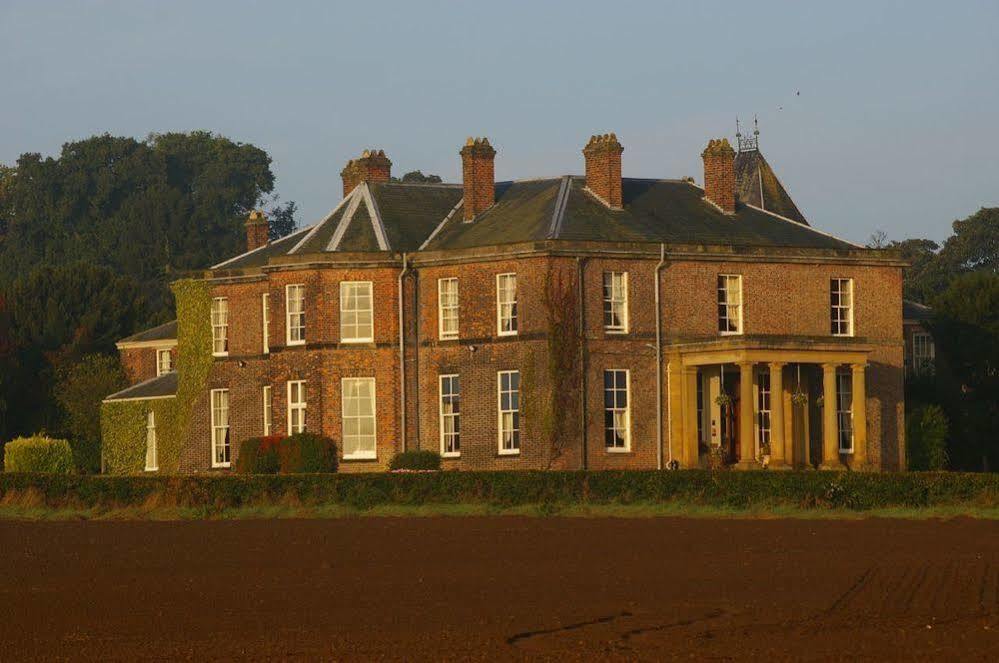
(844, 409)
(152, 450)
(616, 409)
(300, 406)
(265, 321)
(268, 410)
(764, 409)
(836, 321)
(515, 428)
(615, 295)
(288, 289)
(160, 369)
(344, 311)
(453, 380)
(510, 305)
(923, 362)
(724, 298)
(364, 454)
(221, 432)
(447, 308)
(220, 326)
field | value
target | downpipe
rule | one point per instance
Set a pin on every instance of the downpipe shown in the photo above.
(402, 352)
(659, 370)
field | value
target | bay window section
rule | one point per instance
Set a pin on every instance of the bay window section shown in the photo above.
(296, 406)
(220, 428)
(295, 310)
(450, 414)
(508, 396)
(220, 326)
(356, 312)
(358, 396)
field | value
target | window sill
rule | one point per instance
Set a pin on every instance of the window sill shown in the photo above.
(615, 450)
(356, 341)
(509, 333)
(508, 452)
(354, 459)
(730, 333)
(448, 338)
(152, 469)
(220, 354)
(615, 332)
(293, 343)
(221, 466)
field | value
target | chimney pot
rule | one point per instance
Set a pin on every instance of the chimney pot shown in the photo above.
(478, 175)
(719, 174)
(603, 168)
(257, 230)
(371, 166)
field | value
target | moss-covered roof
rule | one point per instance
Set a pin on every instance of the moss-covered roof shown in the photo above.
(409, 217)
(165, 332)
(163, 386)
(757, 184)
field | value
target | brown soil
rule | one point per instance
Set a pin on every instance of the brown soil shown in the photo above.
(500, 588)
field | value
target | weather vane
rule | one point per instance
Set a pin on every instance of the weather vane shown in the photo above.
(745, 143)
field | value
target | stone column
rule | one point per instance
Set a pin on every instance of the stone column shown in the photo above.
(780, 454)
(674, 399)
(830, 441)
(690, 440)
(859, 407)
(747, 418)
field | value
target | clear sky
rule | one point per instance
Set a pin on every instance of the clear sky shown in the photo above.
(896, 126)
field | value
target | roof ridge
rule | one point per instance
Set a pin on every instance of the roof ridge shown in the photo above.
(440, 226)
(561, 200)
(376, 218)
(263, 246)
(445, 185)
(348, 216)
(316, 227)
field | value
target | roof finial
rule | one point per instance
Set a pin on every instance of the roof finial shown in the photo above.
(745, 143)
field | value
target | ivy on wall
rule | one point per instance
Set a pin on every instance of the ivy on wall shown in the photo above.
(123, 423)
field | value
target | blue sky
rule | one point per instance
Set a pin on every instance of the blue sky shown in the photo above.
(896, 126)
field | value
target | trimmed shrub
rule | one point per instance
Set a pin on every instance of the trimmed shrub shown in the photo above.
(926, 438)
(38, 454)
(416, 460)
(259, 455)
(306, 453)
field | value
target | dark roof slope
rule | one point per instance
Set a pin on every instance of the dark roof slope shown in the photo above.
(669, 211)
(162, 386)
(165, 332)
(410, 212)
(915, 311)
(757, 184)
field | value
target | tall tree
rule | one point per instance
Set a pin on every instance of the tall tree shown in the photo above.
(965, 328)
(79, 390)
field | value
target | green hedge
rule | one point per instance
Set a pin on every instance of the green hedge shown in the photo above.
(259, 455)
(423, 459)
(858, 491)
(38, 454)
(304, 453)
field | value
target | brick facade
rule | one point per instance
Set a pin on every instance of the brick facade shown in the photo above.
(140, 362)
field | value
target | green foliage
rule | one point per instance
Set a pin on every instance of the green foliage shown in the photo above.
(926, 438)
(90, 238)
(759, 490)
(123, 424)
(38, 454)
(417, 177)
(259, 455)
(421, 459)
(306, 453)
(965, 328)
(282, 220)
(79, 392)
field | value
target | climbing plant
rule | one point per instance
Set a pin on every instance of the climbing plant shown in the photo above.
(123, 423)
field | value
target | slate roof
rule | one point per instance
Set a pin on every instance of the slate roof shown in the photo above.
(667, 211)
(163, 386)
(757, 184)
(165, 332)
(915, 311)
(409, 217)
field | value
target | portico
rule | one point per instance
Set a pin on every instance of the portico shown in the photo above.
(775, 402)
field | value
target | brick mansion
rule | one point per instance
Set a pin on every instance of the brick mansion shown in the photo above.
(584, 321)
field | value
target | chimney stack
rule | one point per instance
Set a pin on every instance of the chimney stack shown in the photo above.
(719, 174)
(603, 168)
(257, 230)
(477, 172)
(371, 166)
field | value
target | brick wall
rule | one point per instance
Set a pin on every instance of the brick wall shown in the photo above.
(778, 299)
(140, 363)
